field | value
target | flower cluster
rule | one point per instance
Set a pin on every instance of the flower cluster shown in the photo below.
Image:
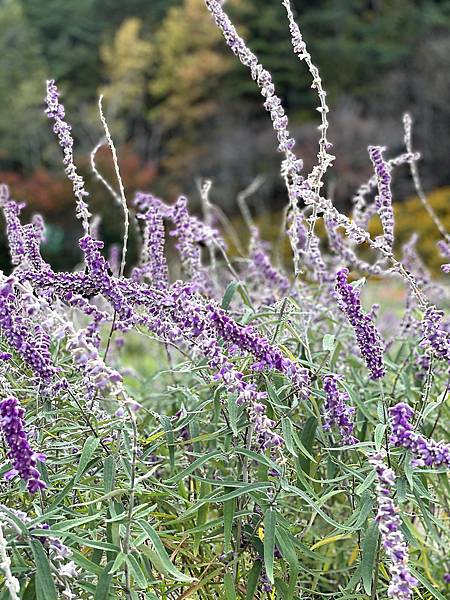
(24, 335)
(367, 336)
(436, 339)
(444, 248)
(153, 262)
(389, 524)
(267, 355)
(22, 456)
(262, 274)
(336, 411)
(426, 452)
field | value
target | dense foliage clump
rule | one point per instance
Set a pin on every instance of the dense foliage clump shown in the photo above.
(215, 427)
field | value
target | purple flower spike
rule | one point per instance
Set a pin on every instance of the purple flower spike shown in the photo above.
(367, 336)
(426, 452)
(389, 524)
(20, 453)
(384, 198)
(336, 411)
(153, 261)
(55, 110)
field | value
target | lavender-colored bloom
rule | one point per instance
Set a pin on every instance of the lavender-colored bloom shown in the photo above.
(384, 198)
(267, 355)
(263, 79)
(422, 362)
(412, 261)
(444, 248)
(269, 283)
(367, 336)
(28, 338)
(14, 230)
(336, 411)
(426, 452)
(23, 458)
(299, 47)
(191, 235)
(436, 339)
(447, 577)
(313, 256)
(55, 111)
(291, 165)
(343, 248)
(153, 262)
(389, 524)
(264, 582)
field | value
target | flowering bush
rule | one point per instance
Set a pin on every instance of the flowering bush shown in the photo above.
(238, 432)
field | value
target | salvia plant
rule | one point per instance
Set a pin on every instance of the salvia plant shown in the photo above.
(220, 425)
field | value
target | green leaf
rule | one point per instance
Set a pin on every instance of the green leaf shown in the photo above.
(195, 465)
(433, 591)
(228, 584)
(379, 435)
(137, 571)
(286, 547)
(167, 426)
(89, 448)
(369, 553)
(104, 583)
(252, 580)
(270, 523)
(86, 564)
(162, 554)
(108, 474)
(229, 293)
(307, 440)
(234, 412)
(288, 435)
(45, 586)
(328, 342)
(228, 515)
(118, 562)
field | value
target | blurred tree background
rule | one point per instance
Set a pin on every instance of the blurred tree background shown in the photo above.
(181, 108)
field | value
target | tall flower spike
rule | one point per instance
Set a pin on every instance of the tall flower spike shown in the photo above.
(269, 283)
(389, 524)
(291, 165)
(426, 452)
(336, 411)
(55, 111)
(384, 198)
(367, 336)
(23, 458)
(325, 159)
(153, 260)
